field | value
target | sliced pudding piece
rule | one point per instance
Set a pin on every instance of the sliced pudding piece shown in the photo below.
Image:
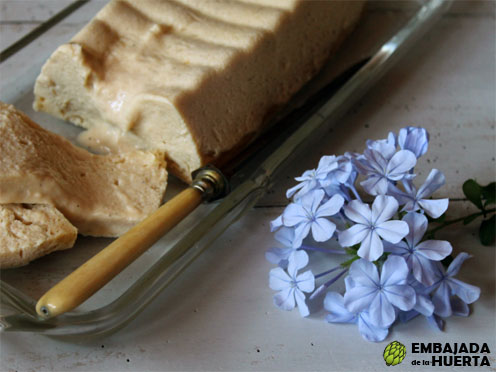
(194, 78)
(29, 231)
(102, 195)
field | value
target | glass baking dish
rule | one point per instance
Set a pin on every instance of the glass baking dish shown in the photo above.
(367, 54)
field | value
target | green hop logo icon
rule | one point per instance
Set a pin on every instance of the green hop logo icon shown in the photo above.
(394, 353)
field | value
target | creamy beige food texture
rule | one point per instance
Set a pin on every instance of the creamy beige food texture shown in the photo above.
(102, 195)
(31, 231)
(194, 78)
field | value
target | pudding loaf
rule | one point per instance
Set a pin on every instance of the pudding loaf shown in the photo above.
(196, 79)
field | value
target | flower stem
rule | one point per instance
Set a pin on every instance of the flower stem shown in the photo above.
(333, 280)
(324, 250)
(456, 220)
(327, 272)
(352, 188)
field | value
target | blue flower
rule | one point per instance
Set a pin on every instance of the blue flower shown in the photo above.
(386, 147)
(308, 213)
(379, 295)
(341, 179)
(414, 139)
(334, 304)
(380, 171)
(417, 200)
(277, 255)
(276, 224)
(423, 303)
(446, 286)
(312, 179)
(291, 285)
(417, 254)
(342, 172)
(372, 225)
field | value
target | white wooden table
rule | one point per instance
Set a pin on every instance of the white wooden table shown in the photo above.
(219, 315)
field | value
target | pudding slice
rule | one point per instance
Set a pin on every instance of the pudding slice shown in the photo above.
(29, 231)
(102, 195)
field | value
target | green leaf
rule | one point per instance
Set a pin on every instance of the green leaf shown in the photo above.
(489, 193)
(349, 262)
(487, 231)
(351, 251)
(473, 192)
(470, 218)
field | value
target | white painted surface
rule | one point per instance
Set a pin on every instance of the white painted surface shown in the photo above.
(219, 314)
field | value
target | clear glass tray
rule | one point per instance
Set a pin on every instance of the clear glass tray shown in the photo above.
(312, 111)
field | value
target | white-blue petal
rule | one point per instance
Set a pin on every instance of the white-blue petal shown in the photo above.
(441, 301)
(400, 248)
(301, 233)
(386, 148)
(381, 311)
(349, 283)
(383, 208)
(371, 247)
(434, 208)
(354, 235)
(322, 229)
(285, 299)
(436, 322)
(375, 185)
(276, 224)
(302, 306)
(401, 296)
(400, 163)
(424, 305)
(434, 181)
(364, 273)
(401, 196)
(375, 160)
(417, 226)
(334, 304)
(343, 172)
(279, 279)
(306, 281)
(326, 165)
(359, 298)
(456, 264)
(275, 255)
(358, 211)
(293, 215)
(392, 231)
(370, 332)
(406, 316)
(467, 292)
(291, 191)
(394, 271)
(312, 200)
(331, 207)
(285, 236)
(415, 139)
(434, 249)
(297, 260)
(422, 269)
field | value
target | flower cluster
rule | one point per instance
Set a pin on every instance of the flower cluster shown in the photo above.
(393, 271)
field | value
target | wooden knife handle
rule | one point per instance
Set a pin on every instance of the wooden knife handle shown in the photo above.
(101, 268)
